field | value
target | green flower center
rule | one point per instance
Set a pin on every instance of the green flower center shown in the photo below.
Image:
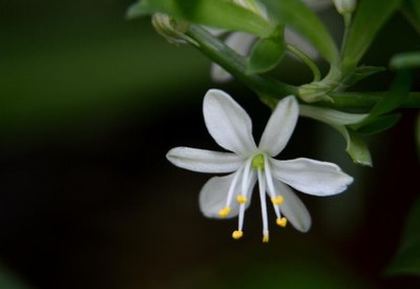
(258, 162)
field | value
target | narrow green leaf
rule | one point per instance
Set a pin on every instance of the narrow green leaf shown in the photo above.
(370, 16)
(407, 259)
(355, 146)
(295, 14)
(380, 124)
(411, 10)
(406, 60)
(215, 13)
(266, 53)
(361, 73)
(400, 88)
(392, 100)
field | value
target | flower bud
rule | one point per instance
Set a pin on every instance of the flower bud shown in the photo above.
(172, 30)
(345, 6)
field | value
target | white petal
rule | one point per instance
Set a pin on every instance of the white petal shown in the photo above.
(311, 177)
(228, 123)
(293, 208)
(204, 161)
(301, 43)
(241, 43)
(214, 193)
(218, 74)
(280, 126)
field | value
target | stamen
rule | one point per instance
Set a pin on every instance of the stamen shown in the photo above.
(237, 234)
(261, 183)
(282, 222)
(266, 238)
(276, 200)
(241, 199)
(223, 213)
(246, 191)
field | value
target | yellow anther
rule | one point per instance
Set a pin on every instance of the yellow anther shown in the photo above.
(237, 234)
(223, 213)
(241, 199)
(282, 222)
(277, 200)
(266, 238)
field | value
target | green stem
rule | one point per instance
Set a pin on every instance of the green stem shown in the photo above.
(307, 60)
(366, 100)
(235, 64)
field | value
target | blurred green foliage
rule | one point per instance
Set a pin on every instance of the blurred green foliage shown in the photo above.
(407, 259)
(9, 281)
(64, 71)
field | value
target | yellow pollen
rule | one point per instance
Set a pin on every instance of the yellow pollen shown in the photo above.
(282, 222)
(241, 199)
(237, 234)
(223, 213)
(265, 238)
(277, 200)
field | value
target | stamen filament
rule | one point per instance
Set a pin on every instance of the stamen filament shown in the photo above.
(276, 200)
(246, 192)
(261, 182)
(224, 212)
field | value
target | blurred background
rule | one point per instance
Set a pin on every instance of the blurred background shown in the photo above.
(89, 105)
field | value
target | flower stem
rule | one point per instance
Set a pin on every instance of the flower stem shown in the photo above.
(235, 64)
(307, 60)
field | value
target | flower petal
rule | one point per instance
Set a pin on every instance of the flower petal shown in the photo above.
(218, 74)
(204, 161)
(280, 126)
(214, 193)
(293, 208)
(311, 177)
(228, 123)
(241, 42)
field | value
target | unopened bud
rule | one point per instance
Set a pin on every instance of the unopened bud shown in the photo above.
(345, 6)
(172, 30)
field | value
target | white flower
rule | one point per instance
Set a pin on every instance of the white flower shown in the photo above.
(242, 42)
(229, 196)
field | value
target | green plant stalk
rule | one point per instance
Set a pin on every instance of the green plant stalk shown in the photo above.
(235, 64)
(307, 60)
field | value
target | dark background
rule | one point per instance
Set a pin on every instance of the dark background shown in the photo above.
(89, 105)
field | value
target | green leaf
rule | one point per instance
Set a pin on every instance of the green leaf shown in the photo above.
(406, 60)
(266, 54)
(361, 73)
(380, 124)
(370, 16)
(407, 259)
(393, 99)
(215, 13)
(411, 10)
(299, 17)
(355, 146)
